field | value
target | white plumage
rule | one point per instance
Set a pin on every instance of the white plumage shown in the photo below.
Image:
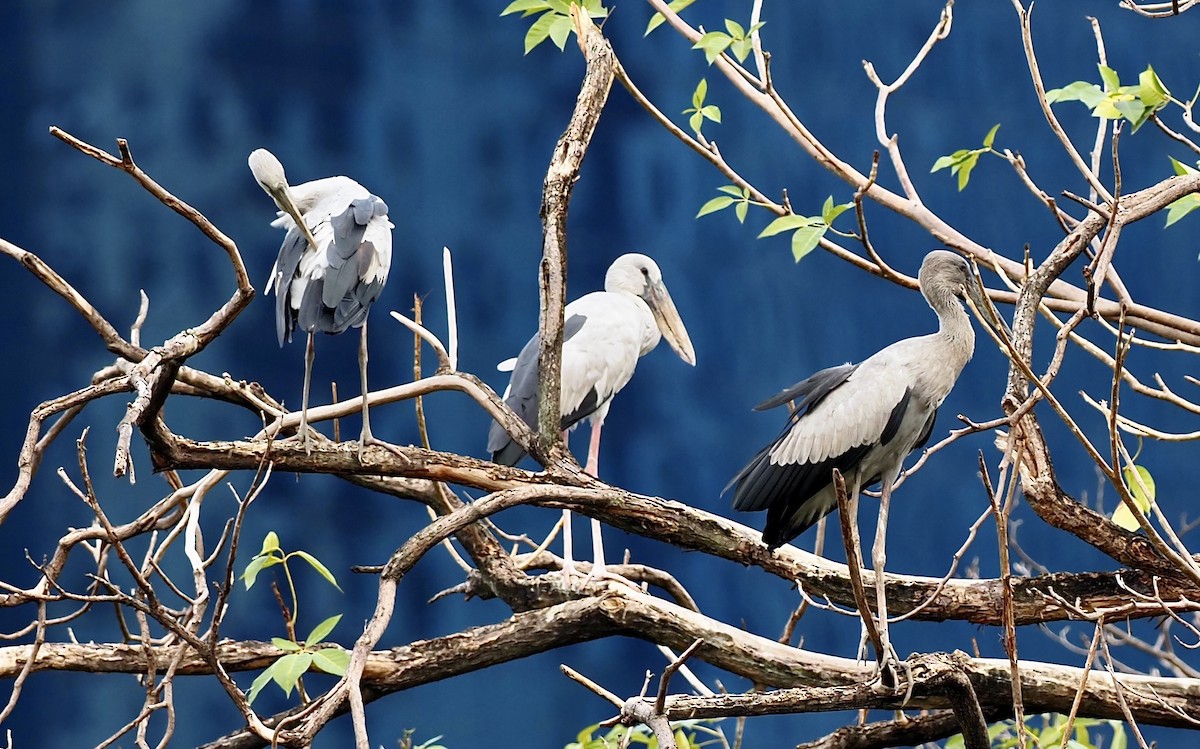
(605, 333)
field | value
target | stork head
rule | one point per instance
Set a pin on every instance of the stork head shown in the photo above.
(639, 275)
(945, 275)
(268, 172)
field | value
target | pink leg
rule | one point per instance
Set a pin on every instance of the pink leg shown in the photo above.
(593, 468)
(568, 569)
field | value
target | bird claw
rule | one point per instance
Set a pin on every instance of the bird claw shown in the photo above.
(368, 439)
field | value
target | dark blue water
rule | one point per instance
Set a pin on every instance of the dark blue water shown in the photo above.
(434, 107)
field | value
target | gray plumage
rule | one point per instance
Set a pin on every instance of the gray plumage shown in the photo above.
(863, 419)
(522, 397)
(332, 265)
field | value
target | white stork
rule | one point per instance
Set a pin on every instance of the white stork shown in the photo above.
(862, 419)
(604, 335)
(332, 264)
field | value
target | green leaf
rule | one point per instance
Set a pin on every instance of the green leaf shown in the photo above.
(806, 239)
(657, 19)
(270, 543)
(1181, 168)
(287, 670)
(712, 112)
(1088, 93)
(1112, 81)
(283, 644)
(699, 94)
(332, 660)
(1107, 108)
(713, 43)
(260, 681)
(539, 31)
(991, 136)
(733, 190)
(257, 565)
(695, 122)
(735, 29)
(1182, 207)
(830, 212)
(784, 223)
(741, 48)
(952, 161)
(525, 6)
(740, 210)
(316, 565)
(964, 170)
(321, 630)
(1143, 496)
(718, 203)
(1119, 741)
(560, 31)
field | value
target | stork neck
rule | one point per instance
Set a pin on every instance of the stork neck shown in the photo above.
(954, 326)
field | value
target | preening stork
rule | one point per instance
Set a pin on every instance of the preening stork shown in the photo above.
(862, 419)
(604, 335)
(332, 264)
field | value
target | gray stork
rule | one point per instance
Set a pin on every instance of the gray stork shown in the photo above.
(862, 419)
(331, 267)
(604, 335)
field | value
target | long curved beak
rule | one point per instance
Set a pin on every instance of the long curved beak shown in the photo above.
(283, 199)
(670, 323)
(270, 176)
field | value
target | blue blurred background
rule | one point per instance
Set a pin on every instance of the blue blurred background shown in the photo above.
(434, 107)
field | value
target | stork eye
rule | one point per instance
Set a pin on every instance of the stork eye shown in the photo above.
(645, 271)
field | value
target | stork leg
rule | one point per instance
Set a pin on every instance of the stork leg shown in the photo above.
(569, 573)
(309, 355)
(593, 468)
(366, 437)
(889, 661)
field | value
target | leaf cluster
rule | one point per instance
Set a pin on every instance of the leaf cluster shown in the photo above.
(1187, 203)
(962, 161)
(738, 41)
(1003, 735)
(298, 658)
(554, 19)
(807, 231)
(699, 111)
(1114, 102)
(640, 735)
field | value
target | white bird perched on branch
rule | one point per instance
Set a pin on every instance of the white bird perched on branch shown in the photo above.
(332, 264)
(604, 335)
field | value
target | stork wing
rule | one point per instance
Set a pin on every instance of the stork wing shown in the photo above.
(523, 395)
(810, 390)
(350, 286)
(856, 412)
(286, 264)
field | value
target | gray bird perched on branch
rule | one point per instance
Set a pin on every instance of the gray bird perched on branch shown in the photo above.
(862, 420)
(332, 264)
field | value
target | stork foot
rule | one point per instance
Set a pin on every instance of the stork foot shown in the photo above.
(366, 439)
(572, 579)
